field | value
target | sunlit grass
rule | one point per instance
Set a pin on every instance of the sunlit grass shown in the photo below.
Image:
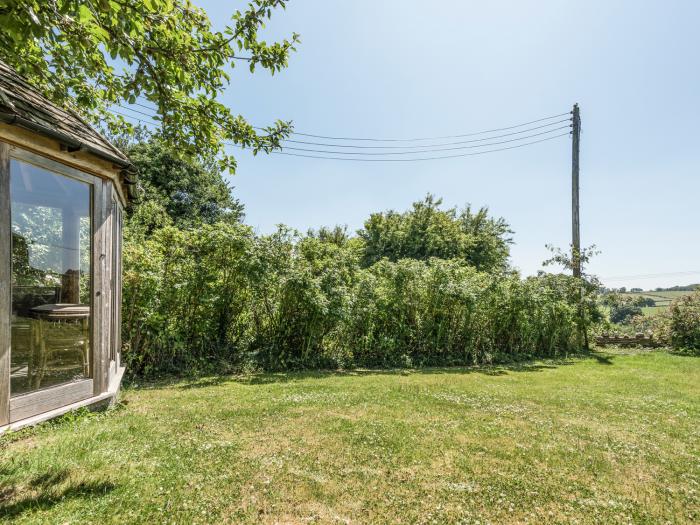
(610, 439)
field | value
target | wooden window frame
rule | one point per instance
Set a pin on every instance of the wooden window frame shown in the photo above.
(5, 284)
(116, 287)
(102, 190)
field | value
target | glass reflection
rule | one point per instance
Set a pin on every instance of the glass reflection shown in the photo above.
(51, 225)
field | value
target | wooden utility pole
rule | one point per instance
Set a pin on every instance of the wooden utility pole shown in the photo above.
(575, 225)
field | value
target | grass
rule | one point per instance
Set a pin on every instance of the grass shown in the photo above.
(654, 310)
(614, 438)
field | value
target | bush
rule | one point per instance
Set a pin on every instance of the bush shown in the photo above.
(644, 302)
(624, 312)
(427, 230)
(219, 297)
(684, 323)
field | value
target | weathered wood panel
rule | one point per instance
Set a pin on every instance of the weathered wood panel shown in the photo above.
(101, 318)
(118, 286)
(97, 275)
(116, 283)
(28, 405)
(107, 306)
(5, 283)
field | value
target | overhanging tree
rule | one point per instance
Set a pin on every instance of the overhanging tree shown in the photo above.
(93, 54)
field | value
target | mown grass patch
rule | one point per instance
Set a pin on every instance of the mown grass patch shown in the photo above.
(610, 439)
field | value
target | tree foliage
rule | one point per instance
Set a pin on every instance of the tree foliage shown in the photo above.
(644, 302)
(684, 319)
(427, 231)
(219, 297)
(624, 308)
(190, 191)
(623, 312)
(91, 55)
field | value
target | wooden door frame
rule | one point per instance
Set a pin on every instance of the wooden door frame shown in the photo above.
(5, 283)
(30, 404)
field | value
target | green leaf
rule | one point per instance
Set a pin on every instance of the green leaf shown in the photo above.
(84, 14)
(90, 53)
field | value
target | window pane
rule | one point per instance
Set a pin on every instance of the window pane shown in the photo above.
(51, 232)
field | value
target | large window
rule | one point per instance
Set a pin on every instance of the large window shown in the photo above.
(51, 289)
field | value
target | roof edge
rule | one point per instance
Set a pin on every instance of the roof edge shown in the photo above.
(11, 118)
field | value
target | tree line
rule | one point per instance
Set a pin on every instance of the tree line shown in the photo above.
(426, 286)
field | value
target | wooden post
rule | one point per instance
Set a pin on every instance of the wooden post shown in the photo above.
(70, 280)
(575, 218)
(101, 306)
(5, 283)
(575, 224)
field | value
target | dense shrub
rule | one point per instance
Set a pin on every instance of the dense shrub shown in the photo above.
(644, 302)
(684, 323)
(624, 312)
(186, 294)
(427, 231)
(219, 296)
(445, 312)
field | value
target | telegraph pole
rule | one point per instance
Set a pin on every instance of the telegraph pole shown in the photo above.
(575, 225)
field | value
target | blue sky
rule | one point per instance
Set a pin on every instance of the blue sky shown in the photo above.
(404, 68)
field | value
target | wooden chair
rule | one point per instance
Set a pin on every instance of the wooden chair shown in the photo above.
(58, 332)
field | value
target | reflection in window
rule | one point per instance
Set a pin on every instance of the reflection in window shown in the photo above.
(51, 232)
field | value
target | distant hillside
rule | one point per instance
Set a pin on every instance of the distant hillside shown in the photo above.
(687, 288)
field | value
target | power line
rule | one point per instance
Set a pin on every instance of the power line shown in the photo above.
(393, 140)
(416, 147)
(433, 138)
(423, 158)
(395, 153)
(153, 123)
(385, 153)
(149, 115)
(143, 106)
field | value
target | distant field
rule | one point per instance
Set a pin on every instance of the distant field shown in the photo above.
(663, 300)
(658, 296)
(654, 310)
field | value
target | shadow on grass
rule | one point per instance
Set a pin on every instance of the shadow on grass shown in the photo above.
(603, 359)
(264, 378)
(46, 490)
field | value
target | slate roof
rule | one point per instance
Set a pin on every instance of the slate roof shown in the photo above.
(23, 105)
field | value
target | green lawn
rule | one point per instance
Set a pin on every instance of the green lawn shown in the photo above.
(610, 439)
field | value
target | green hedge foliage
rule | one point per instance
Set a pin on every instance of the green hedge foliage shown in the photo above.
(218, 298)
(684, 323)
